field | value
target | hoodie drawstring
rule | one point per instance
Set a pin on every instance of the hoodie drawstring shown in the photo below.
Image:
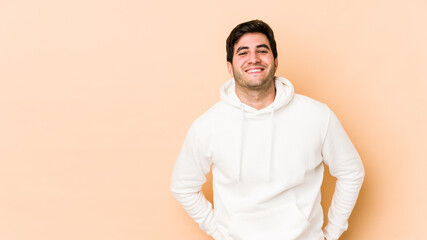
(270, 150)
(240, 145)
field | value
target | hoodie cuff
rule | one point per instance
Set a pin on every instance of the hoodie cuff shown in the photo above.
(217, 235)
(331, 232)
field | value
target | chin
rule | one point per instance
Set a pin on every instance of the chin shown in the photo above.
(257, 85)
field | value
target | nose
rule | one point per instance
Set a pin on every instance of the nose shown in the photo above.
(254, 58)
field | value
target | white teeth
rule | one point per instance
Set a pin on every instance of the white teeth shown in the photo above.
(254, 70)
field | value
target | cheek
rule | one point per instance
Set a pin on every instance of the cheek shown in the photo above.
(269, 61)
(236, 63)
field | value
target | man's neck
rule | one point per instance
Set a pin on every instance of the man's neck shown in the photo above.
(257, 99)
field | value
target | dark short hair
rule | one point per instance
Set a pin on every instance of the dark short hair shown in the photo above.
(254, 26)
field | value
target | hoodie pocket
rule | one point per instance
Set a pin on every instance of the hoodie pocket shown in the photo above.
(280, 223)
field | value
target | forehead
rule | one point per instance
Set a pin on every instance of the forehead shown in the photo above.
(252, 40)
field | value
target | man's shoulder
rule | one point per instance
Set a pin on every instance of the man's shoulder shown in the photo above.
(203, 126)
(309, 103)
(310, 112)
(211, 115)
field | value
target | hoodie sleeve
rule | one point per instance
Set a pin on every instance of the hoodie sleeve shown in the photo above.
(344, 164)
(187, 179)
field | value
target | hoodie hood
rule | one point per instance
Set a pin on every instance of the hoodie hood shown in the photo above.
(284, 94)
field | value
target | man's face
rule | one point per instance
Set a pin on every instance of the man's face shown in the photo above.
(253, 65)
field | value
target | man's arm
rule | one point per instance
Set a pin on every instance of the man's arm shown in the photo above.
(187, 180)
(344, 164)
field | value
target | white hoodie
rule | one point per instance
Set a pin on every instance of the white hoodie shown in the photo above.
(267, 168)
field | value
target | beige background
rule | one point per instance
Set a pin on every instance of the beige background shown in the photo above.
(96, 98)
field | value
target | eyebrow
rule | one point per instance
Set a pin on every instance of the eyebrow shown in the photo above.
(258, 46)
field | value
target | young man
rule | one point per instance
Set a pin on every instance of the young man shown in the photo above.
(266, 146)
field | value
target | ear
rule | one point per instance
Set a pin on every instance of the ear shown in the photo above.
(276, 64)
(230, 68)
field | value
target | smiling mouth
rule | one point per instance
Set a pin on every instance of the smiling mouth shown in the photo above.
(254, 70)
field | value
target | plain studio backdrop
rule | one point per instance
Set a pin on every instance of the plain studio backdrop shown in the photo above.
(97, 96)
